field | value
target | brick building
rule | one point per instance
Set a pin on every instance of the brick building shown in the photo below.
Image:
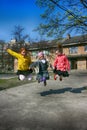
(76, 50)
(74, 47)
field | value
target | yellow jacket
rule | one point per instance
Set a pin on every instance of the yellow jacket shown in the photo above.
(23, 62)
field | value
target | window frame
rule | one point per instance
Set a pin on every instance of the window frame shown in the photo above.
(73, 50)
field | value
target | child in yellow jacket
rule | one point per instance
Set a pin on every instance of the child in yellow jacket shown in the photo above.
(24, 62)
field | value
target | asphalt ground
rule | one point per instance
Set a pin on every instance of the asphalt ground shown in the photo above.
(61, 105)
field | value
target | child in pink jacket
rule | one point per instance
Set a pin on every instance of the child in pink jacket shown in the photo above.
(61, 64)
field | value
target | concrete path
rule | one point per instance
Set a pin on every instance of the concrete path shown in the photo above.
(58, 106)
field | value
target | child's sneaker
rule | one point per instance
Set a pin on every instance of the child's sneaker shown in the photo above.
(55, 77)
(29, 78)
(45, 83)
(38, 81)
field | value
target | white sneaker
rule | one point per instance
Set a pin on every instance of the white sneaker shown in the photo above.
(21, 77)
(29, 78)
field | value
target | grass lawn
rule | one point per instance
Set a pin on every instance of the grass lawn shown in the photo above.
(12, 82)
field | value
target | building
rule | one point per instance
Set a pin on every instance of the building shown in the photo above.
(74, 47)
(76, 50)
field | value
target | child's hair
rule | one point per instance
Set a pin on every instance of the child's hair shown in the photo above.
(60, 47)
(22, 49)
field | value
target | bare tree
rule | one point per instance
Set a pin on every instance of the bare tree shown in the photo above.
(19, 36)
(61, 16)
(18, 33)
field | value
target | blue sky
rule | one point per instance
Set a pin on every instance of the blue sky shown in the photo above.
(18, 12)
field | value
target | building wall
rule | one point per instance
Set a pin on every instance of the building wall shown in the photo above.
(81, 64)
(81, 50)
(76, 63)
(66, 51)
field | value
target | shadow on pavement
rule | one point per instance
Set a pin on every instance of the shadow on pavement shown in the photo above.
(63, 90)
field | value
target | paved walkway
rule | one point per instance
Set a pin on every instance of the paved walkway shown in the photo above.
(58, 106)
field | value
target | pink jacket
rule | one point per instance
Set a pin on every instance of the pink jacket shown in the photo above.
(61, 62)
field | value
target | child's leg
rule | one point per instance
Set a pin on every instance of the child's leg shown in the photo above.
(59, 74)
(21, 77)
(65, 74)
(60, 77)
(29, 77)
(45, 83)
(55, 76)
(44, 80)
(38, 78)
(41, 79)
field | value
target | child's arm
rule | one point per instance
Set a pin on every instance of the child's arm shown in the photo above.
(55, 63)
(13, 53)
(34, 64)
(47, 64)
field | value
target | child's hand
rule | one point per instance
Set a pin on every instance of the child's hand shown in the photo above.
(51, 66)
(31, 70)
(5, 47)
(54, 68)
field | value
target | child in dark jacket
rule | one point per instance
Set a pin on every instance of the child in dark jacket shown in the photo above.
(42, 65)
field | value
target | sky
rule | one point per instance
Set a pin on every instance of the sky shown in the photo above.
(18, 12)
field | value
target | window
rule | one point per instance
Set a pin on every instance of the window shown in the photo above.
(73, 50)
(46, 52)
(34, 54)
(85, 48)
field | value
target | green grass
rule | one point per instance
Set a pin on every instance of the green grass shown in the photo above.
(12, 82)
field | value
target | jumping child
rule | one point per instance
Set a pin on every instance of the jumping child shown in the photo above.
(61, 64)
(24, 61)
(42, 64)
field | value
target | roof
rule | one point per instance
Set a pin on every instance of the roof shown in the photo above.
(76, 39)
(54, 43)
